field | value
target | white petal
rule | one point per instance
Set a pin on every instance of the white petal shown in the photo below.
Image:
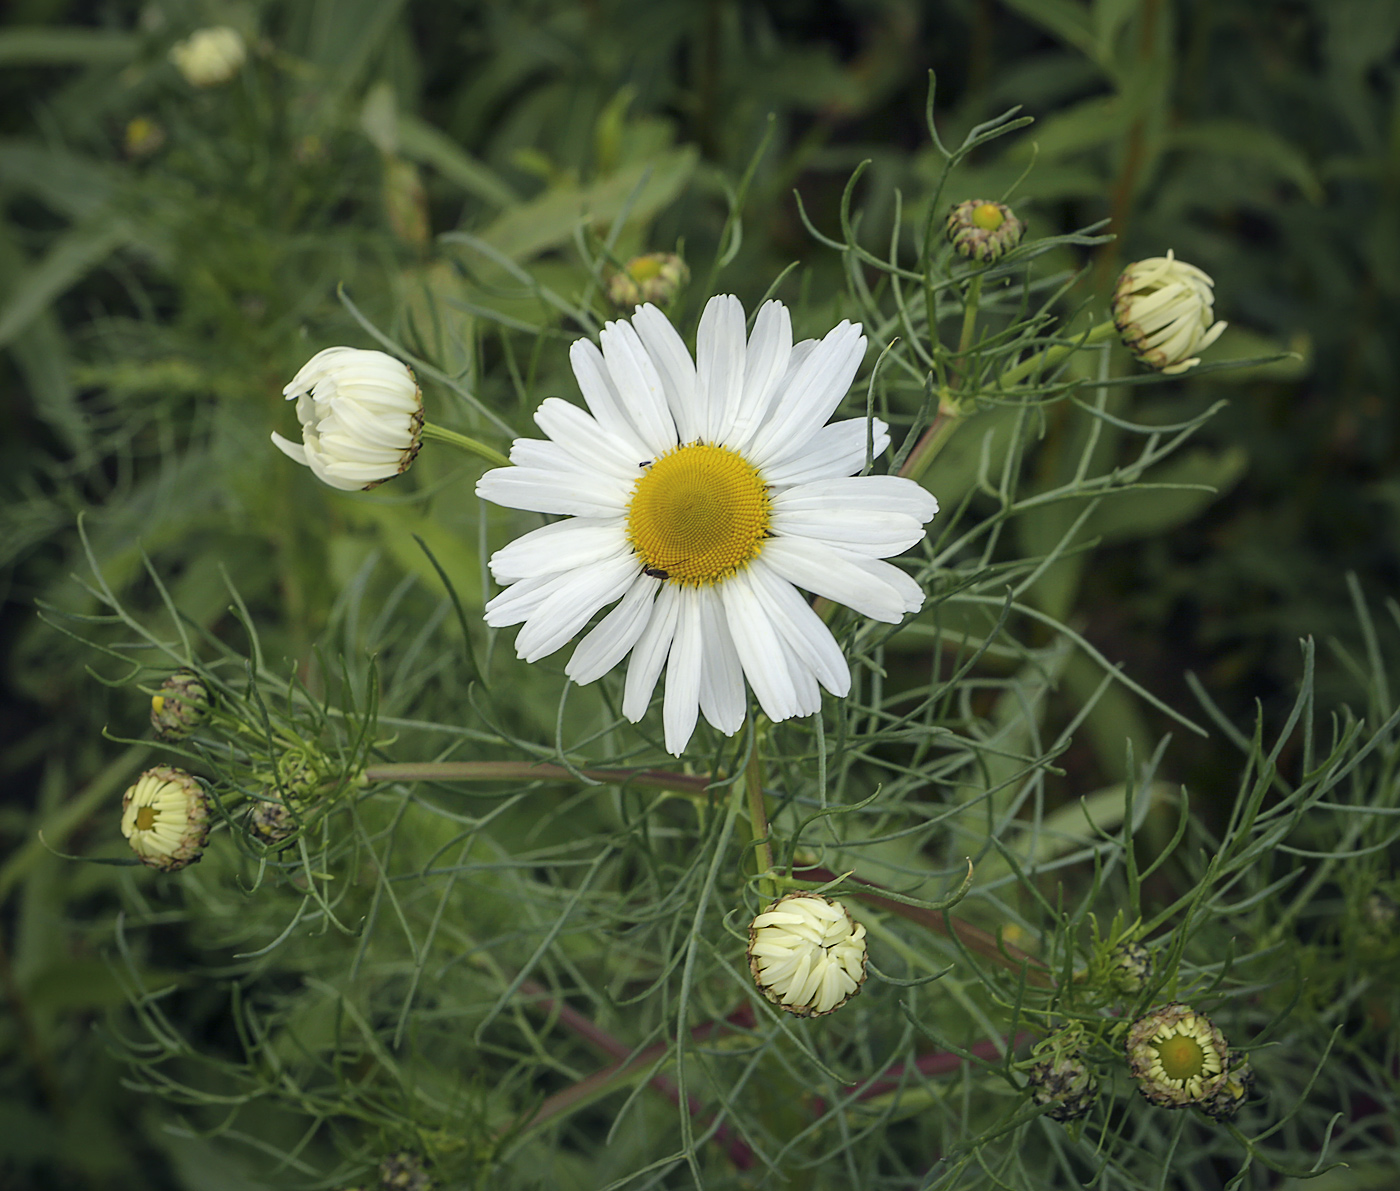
(676, 369)
(683, 669)
(810, 396)
(873, 588)
(878, 494)
(719, 363)
(609, 640)
(863, 531)
(837, 449)
(567, 610)
(577, 542)
(649, 654)
(293, 450)
(638, 387)
(601, 396)
(802, 629)
(722, 698)
(544, 492)
(760, 651)
(520, 600)
(583, 438)
(770, 348)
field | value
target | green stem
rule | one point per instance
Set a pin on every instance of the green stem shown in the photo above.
(530, 771)
(441, 434)
(970, 305)
(1053, 355)
(758, 822)
(934, 440)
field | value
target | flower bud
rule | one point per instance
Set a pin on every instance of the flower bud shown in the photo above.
(361, 415)
(270, 822)
(181, 705)
(1064, 1081)
(656, 277)
(209, 57)
(807, 954)
(1225, 1101)
(165, 818)
(983, 231)
(1129, 967)
(1163, 309)
(143, 137)
(403, 1172)
(1177, 1056)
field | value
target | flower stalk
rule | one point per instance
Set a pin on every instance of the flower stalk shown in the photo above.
(435, 433)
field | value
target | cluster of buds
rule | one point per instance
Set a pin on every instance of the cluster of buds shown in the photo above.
(361, 415)
(655, 277)
(180, 706)
(982, 230)
(165, 818)
(807, 954)
(210, 57)
(1063, 1079)
(1164, 311)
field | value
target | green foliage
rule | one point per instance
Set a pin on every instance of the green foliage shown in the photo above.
(500, 942)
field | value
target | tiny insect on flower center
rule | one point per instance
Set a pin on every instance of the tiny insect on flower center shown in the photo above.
(988, 217)
(1181, 1057)
(145, 818)
(698, 514)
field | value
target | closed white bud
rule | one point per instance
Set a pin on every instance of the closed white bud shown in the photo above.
(165, 818)
(361, 415)
(1163, 308)
(807, 954)
(209, 57)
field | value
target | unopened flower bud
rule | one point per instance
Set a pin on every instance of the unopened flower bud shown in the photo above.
(1225, 1101)
(209, 57)
(656, 277)
(270, 822)
(1177, 1056)
(404, 1171)
(165, 818)
(361, 415)
(807, 954)
(1064, 1081)
(1163, 308)
(143, 137)
(983, 231)
(180, 706)
(1129, 967)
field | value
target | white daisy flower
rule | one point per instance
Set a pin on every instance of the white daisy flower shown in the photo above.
(700, 494)
(1163, 308)
(807, 954)
(209, 57)
(361, 415)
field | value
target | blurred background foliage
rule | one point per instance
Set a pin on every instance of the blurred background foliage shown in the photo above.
(169, 257)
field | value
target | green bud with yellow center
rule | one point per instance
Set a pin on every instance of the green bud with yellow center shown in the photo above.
(982, 230)
(654, 277)
(1177, 1056)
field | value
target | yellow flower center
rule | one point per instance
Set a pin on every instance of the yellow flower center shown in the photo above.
(145, 818)
(988, 217)
(1181, 1057)
(644, 268)
(157, 703)
(698, 514)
